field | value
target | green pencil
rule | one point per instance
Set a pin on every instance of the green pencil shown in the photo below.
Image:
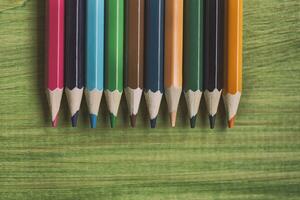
(193, 56)
(114, 31)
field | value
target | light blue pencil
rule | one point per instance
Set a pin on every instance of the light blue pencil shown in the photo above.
(94, 57)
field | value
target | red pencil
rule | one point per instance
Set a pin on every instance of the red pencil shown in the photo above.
(55, 55)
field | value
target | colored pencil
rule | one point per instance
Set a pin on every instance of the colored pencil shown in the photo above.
(55, 55)
(154, 56)
(234, 59)
(134, 56)
(114, 30)
(213, 55)
(74, 55)
(173, 55)
(94, 57)
(193, 56)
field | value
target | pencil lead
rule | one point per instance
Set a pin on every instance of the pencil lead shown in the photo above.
(55, 121)
(193, 121)
(93, 120)
(153, 122)
(74, 119)
(133, 120)
(231, 122)
(112, 120)
(173, 118)
(212, 121)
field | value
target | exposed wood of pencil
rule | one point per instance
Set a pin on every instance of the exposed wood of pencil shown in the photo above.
(54, 99)
(153, 100)
(93, 99)
(234, 49)
(212, 100)
(74, 97)
(193, 101)
(113, 99)
(173, 55)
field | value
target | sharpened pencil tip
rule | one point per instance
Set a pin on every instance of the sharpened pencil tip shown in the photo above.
(193, 121)
(74, 119)
(112, 120)
(212, 121)
(231, 122)
(133, 120)
(173, 119)
(55, 121)
(153, 122)
(93, 120)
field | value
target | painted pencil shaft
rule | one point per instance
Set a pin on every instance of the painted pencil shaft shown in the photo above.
(114, 30)
(154, 56)
(173, 55)
(134, 56)
(234, 58)
(55, 55)
(94, 57)
(74, 55)
(213, 55)
(193, 56)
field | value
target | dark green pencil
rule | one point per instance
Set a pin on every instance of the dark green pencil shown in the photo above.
(193, 56)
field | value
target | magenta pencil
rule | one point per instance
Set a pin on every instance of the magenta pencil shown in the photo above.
(55, 55)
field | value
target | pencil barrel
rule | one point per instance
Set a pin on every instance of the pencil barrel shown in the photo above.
(114, 39)
(173, 43)
(154, 45)
(234, 46)
(193, 45)
(214, 44)
(95, 44)
(134, 44)
(55, 27)
(75, 43)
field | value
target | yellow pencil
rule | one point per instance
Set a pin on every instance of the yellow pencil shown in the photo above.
(234, 49)
(173, 55)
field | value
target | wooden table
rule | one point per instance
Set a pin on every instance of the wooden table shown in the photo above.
(259, 159)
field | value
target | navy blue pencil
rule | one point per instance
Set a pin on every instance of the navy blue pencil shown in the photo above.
(154, 56)
(74, 54)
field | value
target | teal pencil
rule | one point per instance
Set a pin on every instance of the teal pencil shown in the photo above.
(94, 57)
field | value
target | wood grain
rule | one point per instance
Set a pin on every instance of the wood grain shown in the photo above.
(259, 159)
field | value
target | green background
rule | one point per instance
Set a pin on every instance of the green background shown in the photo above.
(259, 159)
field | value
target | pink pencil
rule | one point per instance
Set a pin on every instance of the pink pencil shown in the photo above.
(55, 55)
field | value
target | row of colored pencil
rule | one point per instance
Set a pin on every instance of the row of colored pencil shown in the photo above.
(156, 46)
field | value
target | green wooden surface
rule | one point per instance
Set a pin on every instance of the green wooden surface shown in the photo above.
(259, 159)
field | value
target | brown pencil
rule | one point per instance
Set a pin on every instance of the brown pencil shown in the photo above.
(134, 56)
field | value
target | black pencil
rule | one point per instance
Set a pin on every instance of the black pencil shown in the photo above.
(213, 55)
(74, 55)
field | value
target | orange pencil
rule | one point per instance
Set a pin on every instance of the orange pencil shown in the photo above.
(234, 63)
(173, 55)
